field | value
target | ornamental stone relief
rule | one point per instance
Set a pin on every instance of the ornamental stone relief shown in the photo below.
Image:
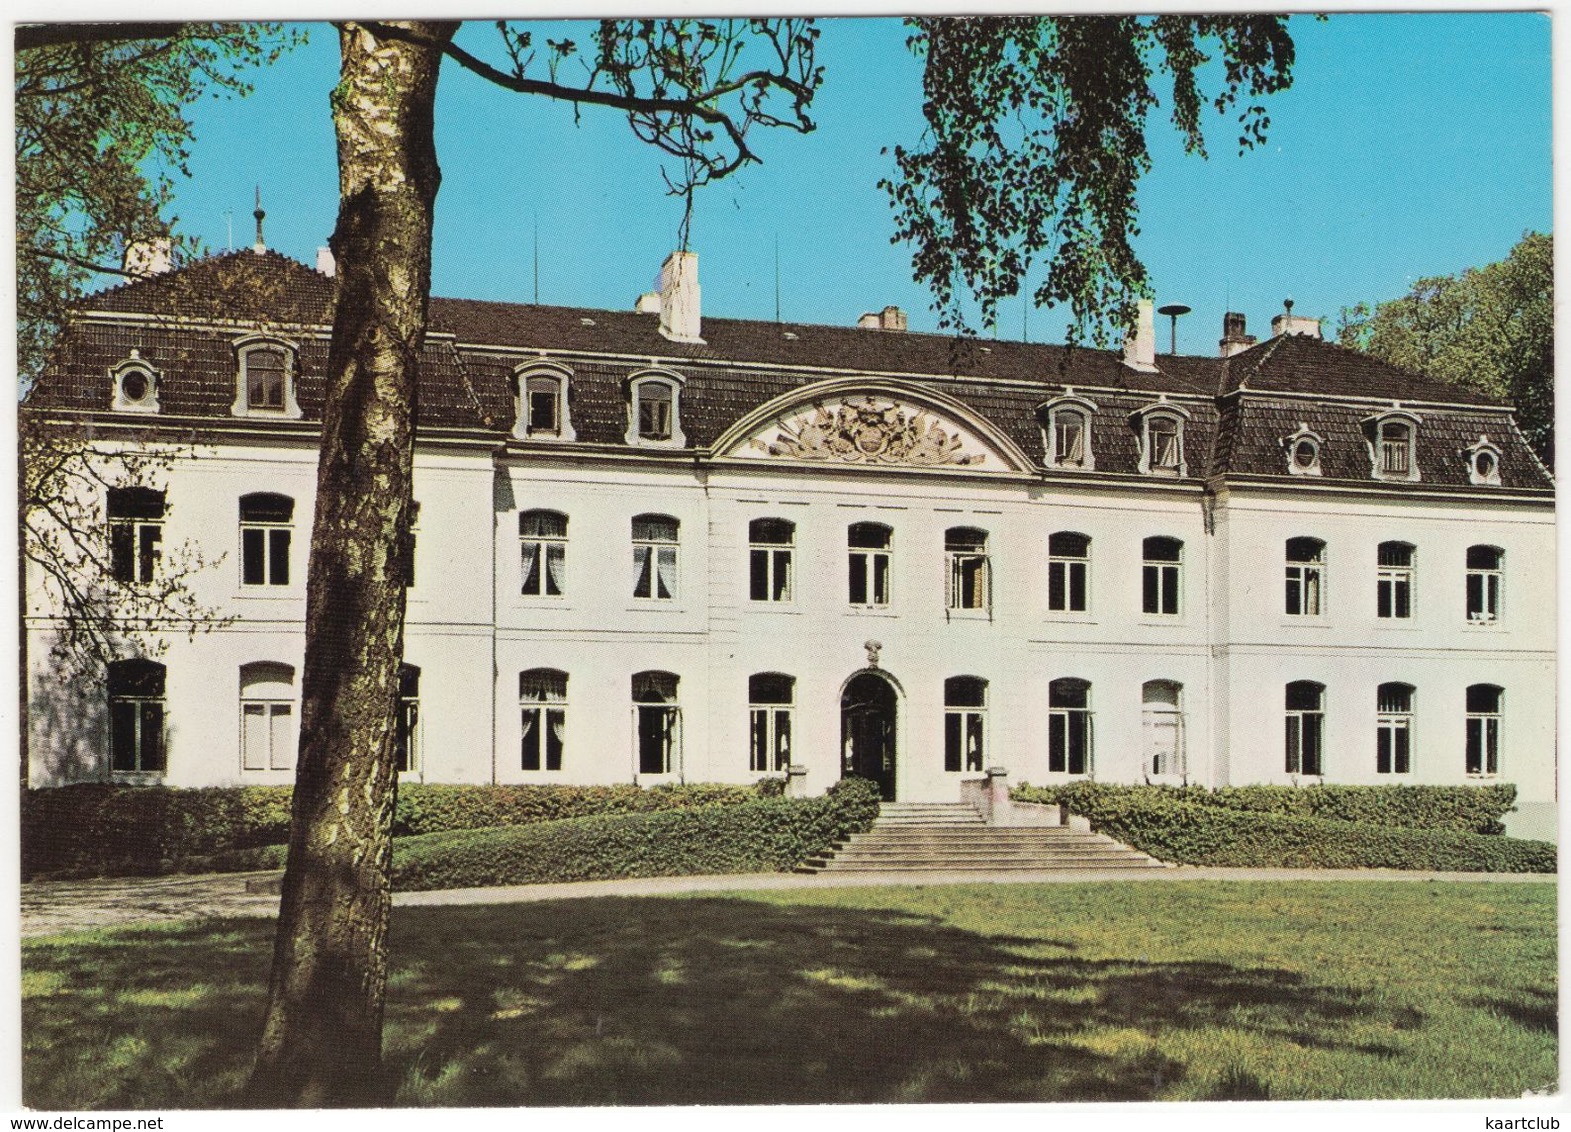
(869, 431)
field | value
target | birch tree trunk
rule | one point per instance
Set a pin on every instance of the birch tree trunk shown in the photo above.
(322, 1041)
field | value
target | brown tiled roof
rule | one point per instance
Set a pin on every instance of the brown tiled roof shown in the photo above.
(1238, 414)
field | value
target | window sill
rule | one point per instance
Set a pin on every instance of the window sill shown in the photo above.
(1070, 617)
(137, 777)
(871, 611)
(1164, 620)
(270, 593)
(1316, 621)
(785, 608)
(655, 605)
(1395, 624)
(1483, 626)
(968, 615)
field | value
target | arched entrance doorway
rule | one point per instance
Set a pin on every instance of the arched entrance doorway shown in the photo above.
(867, 730)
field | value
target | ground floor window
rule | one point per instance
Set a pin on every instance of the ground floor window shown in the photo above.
(1483, 729)
(1305, 701)
(267, 709)
(965, 718)
(769, 697)
(657, 722)
(136, 716)
(542, 710)
(1162, 722)
(406, 726)
(1069, 726)
(1394, 729)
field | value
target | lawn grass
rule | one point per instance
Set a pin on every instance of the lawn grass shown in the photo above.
(1176, 991)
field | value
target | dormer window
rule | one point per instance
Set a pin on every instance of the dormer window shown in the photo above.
(542, 404)
(1303, 451)
(654, 411)
(1393, 445)
(265, 379)
(1483, 463)
(134, 386)
(1162, 439)
(1066, 433)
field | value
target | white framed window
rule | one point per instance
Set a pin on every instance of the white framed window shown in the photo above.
(542, 718)
(1161, 428)
(1305, 738)
(1394, 729)
(969, 584)
(136, 533)
(654, 557)
(769, 559)
(770, 697)
(265, 378)
(965, 723)
(868, 547)
(267, 709)
(1485, 575)
(133, 386)
(1161, 576)
(657, 723)
(1393, 445)
(1069, 738)
(542, 540)
(543, 403)
(1303, 451)
(406, 724)
(411, 540)
(1304, 592)
(1394, 574)
(1483, 463)
(1068, 572)
(266, 527)
(1483, 730)
(1162, 727)
(1066, 433)
(136, 717)
(655, 410)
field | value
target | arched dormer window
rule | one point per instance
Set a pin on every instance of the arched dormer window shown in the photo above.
(541, 394)
(134, 386)
(1303, 451)
(265, 372)
(1392, 437)
(1066, 433)
(1483, 463)
(1161, 428)
(654, 410)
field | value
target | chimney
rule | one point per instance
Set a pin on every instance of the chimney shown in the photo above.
(1234, 340)
(1140, 344)
(1285, 323)
(679, 298)
(145, 258)
(890, 318)
(325, 264)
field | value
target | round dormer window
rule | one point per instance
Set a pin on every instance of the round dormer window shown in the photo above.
(1306, 453)
(135, 386)
(1485, 465)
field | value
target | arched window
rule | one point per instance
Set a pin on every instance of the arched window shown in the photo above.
(265, 527)
(1394, 729)
(542, 540)
(1394, 580)
(965, 723)
(1393, 445)
(657, 722)
(1306, 564)
(542, 711)
(136, 533)
(868, 548)
(1161, 575)
(654, 557)
(655, 410)
(135, 386)
(769, 697)
(543, 412)
(1161, 427)
(1483, 729)
(1305, 703)
(1485, 571)
(1066, 433)
(1162, 721)
(265, 378)
(1069, 740)
(1483, 463)
(1068, 569)
(965, 552)
(267, 709)
(136, 717)
(1303, 451)
(406, 729)
(769, 559)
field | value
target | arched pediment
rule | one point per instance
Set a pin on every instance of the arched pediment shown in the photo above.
(871, 423)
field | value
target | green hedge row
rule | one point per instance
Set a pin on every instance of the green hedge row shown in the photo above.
(1172, 827)
(1459, 809)
(103, 830)
(771, 834)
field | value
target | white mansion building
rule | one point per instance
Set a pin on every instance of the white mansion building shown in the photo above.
(653, 548)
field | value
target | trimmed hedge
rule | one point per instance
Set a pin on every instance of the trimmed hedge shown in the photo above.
(1172, 826)
(769, 835)
(1459, 809)
(103, 830)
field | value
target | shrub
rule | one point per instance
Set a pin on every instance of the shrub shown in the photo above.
(769, 834)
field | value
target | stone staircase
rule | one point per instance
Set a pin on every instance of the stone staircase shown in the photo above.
(919, 837)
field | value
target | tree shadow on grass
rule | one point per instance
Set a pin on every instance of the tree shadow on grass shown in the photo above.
(666, 1001)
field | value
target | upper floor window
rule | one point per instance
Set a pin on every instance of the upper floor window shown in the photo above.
(1162, 721)
(406, 725)
(655, 410)
(1303, 451)
(657, 722)
(136, 533)
(1394, 580)
(265, 378)
(267, 708)
(769, 697)
(1393, 445)
(135, 386)
(769, 559)
(1484, 572)
(1069, 726)
(543, 412)
(1483, 463)
(868, 547)
(1483, 729)
(265, 528)
(1305, 727)
(1161, 575)
(1394, 729)
(1068, 567)
(965, 717)
(542, 711)
(965, 552)
(1067, 433)
(1162, 439)
(542, 538)
(1306, 564)
(136, 717)
(654, 557)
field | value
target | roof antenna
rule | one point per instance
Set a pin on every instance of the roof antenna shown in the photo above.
(537, 259)
(261, 245)
(229, 229)
(777, 278)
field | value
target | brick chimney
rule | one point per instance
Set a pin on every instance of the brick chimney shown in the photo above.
(1285, 323)
(890, 318)
(680, 319)
(1140, 343)
(1234, 340)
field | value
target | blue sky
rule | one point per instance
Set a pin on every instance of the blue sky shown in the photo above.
(1408, 145)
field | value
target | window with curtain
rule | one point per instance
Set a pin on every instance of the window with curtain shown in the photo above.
(267, 709)
(542, 537)
(770, 545)
(770, 696)
(542, 712)
(657, 722)
(1306, 558)
(1485, 571)
(1394, 729)
(965, 549)
(965, 719)
(654, 557)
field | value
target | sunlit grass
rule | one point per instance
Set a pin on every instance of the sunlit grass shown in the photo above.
(956, 993)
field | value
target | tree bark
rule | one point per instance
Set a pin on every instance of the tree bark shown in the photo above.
(322, 1041)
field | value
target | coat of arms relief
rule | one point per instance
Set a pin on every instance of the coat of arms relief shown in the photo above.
(869, 431)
